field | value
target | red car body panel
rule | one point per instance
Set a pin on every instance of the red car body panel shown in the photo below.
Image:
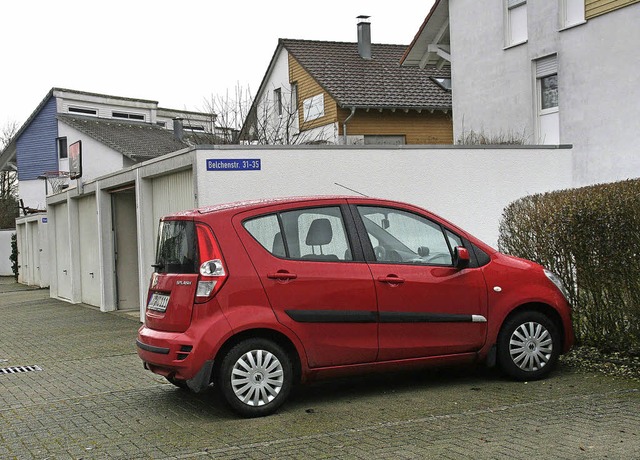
(367, 321)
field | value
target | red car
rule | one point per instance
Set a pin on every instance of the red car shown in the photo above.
(258, 296)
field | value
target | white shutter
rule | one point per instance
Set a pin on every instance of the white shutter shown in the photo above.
(547, 66)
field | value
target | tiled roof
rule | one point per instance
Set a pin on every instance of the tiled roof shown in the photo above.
(138, 141)
(376, 83)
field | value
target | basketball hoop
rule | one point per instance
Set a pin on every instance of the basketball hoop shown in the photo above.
(57, 180)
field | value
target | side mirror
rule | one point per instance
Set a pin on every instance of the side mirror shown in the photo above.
(460, 257)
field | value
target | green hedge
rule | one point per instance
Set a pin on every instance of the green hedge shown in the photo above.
(590, 237)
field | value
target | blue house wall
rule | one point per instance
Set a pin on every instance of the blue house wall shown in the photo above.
(36, 149)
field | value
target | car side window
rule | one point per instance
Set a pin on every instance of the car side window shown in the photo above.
(316, 234)
(309, 234)
(402, 237)
(266, 230)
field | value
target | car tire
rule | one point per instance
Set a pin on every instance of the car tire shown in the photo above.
(255, 377)
(528, 346)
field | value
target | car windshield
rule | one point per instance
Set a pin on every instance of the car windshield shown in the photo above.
(177, 249)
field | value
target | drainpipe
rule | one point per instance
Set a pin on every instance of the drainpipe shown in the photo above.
(344, 124)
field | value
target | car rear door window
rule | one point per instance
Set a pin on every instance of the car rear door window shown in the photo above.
(310, 234)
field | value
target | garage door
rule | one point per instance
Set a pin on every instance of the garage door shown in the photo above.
(89, 251)
(34, 252)
(172, 193)
(63, 256)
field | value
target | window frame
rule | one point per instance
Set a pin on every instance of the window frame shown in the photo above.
(83, 111)
(511, 6)
(351, 235)
(314, 102)
(277, 101)
(119, 115)
(59, 141)
(563, 17)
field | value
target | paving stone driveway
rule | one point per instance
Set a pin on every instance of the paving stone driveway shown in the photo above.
(92, 399)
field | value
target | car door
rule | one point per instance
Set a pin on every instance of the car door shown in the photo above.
(317, 284)
(426, 306)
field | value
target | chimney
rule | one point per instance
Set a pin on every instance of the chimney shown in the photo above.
(178, 129)
(364, 37)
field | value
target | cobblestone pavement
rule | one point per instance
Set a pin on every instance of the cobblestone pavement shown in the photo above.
(93, 399)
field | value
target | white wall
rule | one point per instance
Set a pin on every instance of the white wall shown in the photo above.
(598, 82)
(97, 158)
(5, 252)
(491, 86)
(600, 96)
(32, 193)
(470, 187)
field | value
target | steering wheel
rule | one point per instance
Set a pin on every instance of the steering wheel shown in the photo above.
(380, 252)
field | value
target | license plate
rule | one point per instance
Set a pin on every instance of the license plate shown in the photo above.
(158, 302)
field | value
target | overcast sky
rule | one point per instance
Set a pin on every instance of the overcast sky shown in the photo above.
(175, 52)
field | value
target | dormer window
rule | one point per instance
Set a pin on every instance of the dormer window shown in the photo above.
(444, 83)
(128, 116)
(83, 111)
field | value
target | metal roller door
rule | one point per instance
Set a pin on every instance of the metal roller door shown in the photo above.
(172, 193)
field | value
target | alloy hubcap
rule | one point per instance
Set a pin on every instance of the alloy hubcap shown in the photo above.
(531, 346)
(257, 378)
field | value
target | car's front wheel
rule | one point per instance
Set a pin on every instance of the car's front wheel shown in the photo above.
(528, 346)
(255, 377)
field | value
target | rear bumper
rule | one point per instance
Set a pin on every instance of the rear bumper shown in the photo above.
(175, 355)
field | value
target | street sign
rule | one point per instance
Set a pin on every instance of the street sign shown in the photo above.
(240, 164)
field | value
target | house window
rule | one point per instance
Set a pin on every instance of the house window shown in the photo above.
(516, 22)
(277, 101)
(83, 110)
(62, 147)
(163, 124)
(547, 100)
(571, 12)
(194, 128)
(313, 107)
(129, 116)
(294, 97)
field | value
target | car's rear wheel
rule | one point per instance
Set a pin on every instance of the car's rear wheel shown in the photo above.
(528, 346)
(255, 377)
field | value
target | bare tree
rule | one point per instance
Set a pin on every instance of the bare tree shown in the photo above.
(8, 182)
(230, 111)
(273, 120)
(8, 179)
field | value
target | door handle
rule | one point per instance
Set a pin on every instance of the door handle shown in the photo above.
(391, 279)
(282, 276)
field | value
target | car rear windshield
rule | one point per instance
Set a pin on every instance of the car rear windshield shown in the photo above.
(177, 250)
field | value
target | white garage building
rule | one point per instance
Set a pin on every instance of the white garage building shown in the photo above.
(102, 233)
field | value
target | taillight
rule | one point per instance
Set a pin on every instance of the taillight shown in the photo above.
(212, 270)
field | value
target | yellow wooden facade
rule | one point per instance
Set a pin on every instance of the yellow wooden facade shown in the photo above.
(593, 8)
(423, 127)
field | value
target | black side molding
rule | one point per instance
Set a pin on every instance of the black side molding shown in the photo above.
(332, 316)
(151, 348)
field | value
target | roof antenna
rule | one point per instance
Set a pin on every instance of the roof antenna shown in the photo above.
(350, 189)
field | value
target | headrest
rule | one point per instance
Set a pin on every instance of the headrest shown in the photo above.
(319, 233)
